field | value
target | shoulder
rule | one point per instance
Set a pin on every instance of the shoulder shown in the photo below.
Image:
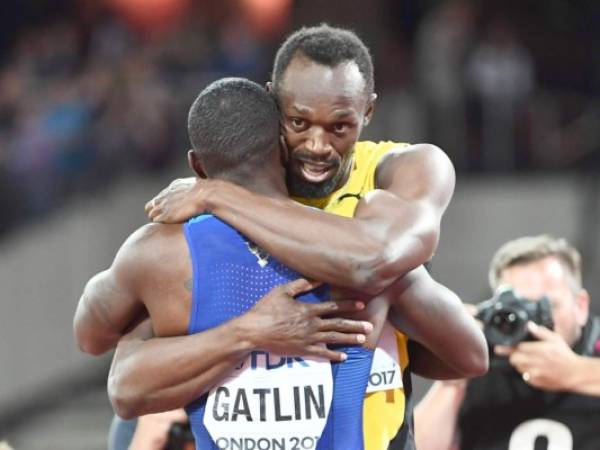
(422, 167)
(425, 156)
(149, 246)
(376, 150)
(151, 235)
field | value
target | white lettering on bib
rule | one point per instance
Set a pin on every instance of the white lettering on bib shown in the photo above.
(385, 370)
(281, 400)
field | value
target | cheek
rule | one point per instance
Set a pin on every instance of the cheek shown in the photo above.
(292, 138)
(564, 322)
(344, 146)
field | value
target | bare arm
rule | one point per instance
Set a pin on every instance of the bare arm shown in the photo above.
(451, 343)
(153, 375)
(157, 374)
(396, 231)
(109, 303)
(436, 416)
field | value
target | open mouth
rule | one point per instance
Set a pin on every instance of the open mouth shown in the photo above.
(316, 172)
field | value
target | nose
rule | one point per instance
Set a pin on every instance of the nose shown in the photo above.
(317, 142)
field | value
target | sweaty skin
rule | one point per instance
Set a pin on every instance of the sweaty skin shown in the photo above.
(395, 231)
(395, 228)
(138, 381)
(399, 228)
(152, 271)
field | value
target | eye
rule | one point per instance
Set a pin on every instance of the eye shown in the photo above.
(340, 128)
(297, 122)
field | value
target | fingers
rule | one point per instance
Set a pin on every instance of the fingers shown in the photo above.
(154, 209)
(338, 306)
(346, 326)
(334, 337)
(541, 332)
(503, 350)
(519, 360)
(300, 286)
(324, 352)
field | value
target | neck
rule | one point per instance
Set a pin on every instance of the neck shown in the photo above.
(265, 182)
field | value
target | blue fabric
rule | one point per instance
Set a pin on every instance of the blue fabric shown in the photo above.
(121, 433)
(227, 282)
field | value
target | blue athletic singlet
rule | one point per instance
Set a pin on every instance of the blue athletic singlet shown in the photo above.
(270, 401)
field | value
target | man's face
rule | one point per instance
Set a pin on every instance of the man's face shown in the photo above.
(323, 112)
(549, 277)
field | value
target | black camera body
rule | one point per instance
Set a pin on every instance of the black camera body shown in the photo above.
(181, 437)
(505, 317)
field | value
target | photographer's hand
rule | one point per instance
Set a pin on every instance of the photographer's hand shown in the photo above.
(546, 363)
(152, 430)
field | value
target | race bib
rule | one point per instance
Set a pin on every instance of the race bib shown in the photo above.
(385, 370)
(271, 401)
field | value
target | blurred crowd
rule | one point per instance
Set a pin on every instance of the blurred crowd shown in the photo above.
(75, 111)
(80, 105)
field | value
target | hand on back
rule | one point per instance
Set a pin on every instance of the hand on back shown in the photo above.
(178, 202)
(282, 324)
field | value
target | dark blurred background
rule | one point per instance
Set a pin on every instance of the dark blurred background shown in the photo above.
(93, 103)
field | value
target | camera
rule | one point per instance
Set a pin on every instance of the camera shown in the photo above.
(180, 437)
(505, 317)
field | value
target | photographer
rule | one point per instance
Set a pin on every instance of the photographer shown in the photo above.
(543, 391)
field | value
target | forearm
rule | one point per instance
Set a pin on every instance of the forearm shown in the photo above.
(437, 319)
(365, 253)
(160, 374)
(426, 364)
(436, 416)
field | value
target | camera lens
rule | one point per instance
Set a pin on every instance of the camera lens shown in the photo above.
(506, 322)
(506, 326)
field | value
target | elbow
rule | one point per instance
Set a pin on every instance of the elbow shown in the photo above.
(482, 359)
(426, 243)
(86, 342)
(387, 261)
(124, 404)
(477, 367)
(86, 336)
(477, 359)
(90, 347)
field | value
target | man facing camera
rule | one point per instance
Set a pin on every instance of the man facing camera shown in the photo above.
(541, 393)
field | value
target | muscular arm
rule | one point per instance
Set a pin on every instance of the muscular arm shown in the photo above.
(109, 303)
(447, 343)
(396, 231)
(151, 374)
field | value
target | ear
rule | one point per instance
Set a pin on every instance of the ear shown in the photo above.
(370, 109)
(582, 307)
(283, 150)
(269, 86)
(195, 165)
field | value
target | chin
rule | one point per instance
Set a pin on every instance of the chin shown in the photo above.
(300, 187)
